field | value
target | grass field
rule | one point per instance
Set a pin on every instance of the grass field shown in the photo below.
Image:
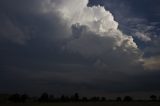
(87, 104)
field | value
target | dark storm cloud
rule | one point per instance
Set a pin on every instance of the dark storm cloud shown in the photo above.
(39, 54)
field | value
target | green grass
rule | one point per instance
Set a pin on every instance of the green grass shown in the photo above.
(86, 104)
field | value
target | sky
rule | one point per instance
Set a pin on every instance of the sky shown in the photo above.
(94, 47)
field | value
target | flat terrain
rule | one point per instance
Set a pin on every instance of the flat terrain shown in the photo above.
(87, 104)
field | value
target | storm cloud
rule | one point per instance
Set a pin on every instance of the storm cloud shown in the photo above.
(59, 45)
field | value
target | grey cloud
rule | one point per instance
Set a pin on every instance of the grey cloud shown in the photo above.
(56, 57)
(12, 31)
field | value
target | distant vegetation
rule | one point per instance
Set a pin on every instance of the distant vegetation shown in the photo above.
(47, 98)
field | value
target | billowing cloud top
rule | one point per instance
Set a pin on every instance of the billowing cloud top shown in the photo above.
(93, 29)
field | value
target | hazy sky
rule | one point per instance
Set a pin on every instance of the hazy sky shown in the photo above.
(96, 47)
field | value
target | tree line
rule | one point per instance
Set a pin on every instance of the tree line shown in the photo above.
(45, 98)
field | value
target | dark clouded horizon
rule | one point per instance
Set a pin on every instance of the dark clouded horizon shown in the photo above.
(92, 47)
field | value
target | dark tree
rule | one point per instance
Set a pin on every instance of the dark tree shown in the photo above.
(95, 99)
(24, 98)
(65, 99)
(75, 97)
(51, 98)
(127, 99)
(44, 98)
(84, 99)
(14, 98)
(118, 99)
(103, 99)
(153, 97)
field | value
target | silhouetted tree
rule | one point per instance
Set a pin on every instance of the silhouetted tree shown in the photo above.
(75, 97)
(84, 99)
(51, 98)
(153, 97)
(64, 98)
(118, 99)
(14, 98)
(103, 99)
(127, 99)
(95, 99)
(24, 98)
(44, 98)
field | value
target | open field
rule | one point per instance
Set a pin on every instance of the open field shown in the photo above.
(87, 104)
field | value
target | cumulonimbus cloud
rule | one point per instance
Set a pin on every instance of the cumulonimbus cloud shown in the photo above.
(89, 31)
(72, 43)
(94, 32)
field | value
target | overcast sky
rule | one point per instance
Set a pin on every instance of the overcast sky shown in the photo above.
(96, 47)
